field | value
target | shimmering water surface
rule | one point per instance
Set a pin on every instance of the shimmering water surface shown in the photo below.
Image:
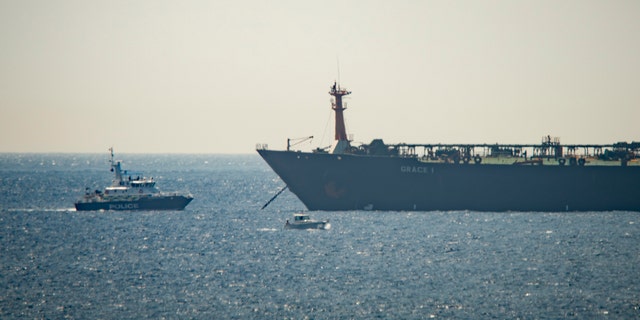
(223, 257)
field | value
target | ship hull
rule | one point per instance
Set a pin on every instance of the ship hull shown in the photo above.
(333, 182)
(148, 203)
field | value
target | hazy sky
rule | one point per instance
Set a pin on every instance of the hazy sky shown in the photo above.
(220, 76)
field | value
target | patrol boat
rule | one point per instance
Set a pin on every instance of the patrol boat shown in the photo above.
(545, 176)
(131, 192)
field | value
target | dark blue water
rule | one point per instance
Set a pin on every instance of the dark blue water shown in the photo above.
(223, 257)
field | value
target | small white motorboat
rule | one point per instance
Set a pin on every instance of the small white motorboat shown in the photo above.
(303, 221)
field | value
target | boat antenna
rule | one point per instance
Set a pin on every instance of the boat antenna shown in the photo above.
(111, 160)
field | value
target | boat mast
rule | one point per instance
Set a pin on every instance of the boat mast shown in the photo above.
(342, 142)
(116, 169)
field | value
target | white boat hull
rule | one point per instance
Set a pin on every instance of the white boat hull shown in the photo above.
(320, 225)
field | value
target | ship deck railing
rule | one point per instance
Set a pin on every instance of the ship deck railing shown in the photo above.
(552, 150)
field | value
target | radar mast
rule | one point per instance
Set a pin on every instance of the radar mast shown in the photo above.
(342, 142)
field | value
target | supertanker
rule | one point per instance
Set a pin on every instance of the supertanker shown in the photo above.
(546, 176)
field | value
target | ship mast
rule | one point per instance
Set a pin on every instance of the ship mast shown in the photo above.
(342, 142)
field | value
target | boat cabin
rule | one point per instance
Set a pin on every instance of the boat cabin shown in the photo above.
(301, 217)
(143, 184)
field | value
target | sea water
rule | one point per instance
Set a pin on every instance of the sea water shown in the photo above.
(225, 258)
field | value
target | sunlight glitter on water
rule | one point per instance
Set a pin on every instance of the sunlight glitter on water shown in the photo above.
(223, 257)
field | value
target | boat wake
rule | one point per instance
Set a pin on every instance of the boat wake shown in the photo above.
(41, 209)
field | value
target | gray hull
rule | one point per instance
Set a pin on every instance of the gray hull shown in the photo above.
(361, 182)
(149, 203)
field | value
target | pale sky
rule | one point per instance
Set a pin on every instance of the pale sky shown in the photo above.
(221, 76)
